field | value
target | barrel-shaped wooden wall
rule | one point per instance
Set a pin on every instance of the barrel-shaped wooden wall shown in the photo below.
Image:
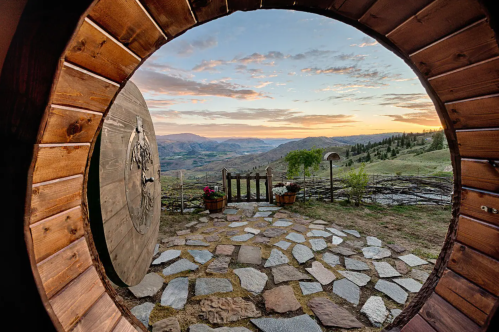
(449, 43)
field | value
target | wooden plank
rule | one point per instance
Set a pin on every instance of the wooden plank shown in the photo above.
(174, 16)
(208, 10)
(321, 4)
(72, 303)
(98, 52)
(55, 161)
(475, 80)
(229, 189)
(102, 316)
(437, 20)
(473, 200)
(248, 188)
(243, 5)
(417, 324)
(64, 266)
(257, 187)
(471, 45)
(238, 187)
(386, 15)
(480, 174)
(52, 234)
(480, 112)
(55, 196)
(277, 3)
(443, 317)
(80, 88)
(70, 125)
(480, 269)
(479, 235)
(470, 299)
(124, 326)
(130, 24)
(354, 9)
(478, 143)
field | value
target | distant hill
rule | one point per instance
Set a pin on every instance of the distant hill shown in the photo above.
(186, 137)
(364, 139)
(246, 141)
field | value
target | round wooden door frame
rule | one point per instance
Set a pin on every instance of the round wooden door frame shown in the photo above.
(100, 56)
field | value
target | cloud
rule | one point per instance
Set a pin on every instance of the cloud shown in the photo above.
(426, 115)
(160, 83)
(366, 41)
(167, 114)
(186, 48)
(331, 70)
(262, 85)
(313, 120)
(166, 103)
(242, 114)
(350, 57)
(208, 66)
(425, 118)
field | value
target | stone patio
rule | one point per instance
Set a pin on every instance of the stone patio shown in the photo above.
(257, 267)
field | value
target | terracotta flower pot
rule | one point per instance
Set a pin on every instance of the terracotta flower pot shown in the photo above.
(286, 199)
(216, 205)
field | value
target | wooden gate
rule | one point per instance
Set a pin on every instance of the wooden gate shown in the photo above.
(227, 184)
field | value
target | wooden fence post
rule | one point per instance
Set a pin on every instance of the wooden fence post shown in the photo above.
(257, 187)
(224, 180)
(270, 195)
(229, 189)
(181, 193)
(248, 188)
(238, 185)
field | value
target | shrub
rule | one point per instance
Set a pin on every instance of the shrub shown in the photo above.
(357, 183)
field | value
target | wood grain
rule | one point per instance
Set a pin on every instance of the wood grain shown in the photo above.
(124, 326)
(54, 197)
(437, 20)
(470, 299)
(244, 5)
(174, 16)
(117, 227)
(102, 316)
(52, 234)
(129, 24)
(473, 200)
(64, 266)
(476, 80)
(478, 143)
(417, 324)
(386, 15)
(322, 4)
(73, 302)
(97, 52)
(443, 317)
(81, 89)
(59, 161)
(471, 113)
(354, 9)
(480, 174)
(465, 47)
(480, 269)
(479, 235)
(65, 125)
(208, 10)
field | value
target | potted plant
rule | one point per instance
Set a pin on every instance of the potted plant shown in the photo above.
(285, 194)
(215, 201)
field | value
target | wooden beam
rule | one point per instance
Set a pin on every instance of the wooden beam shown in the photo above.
(478, 143)
(174, 16)
(479, 235)
(480, 174)
(103, 316)
(472, 201)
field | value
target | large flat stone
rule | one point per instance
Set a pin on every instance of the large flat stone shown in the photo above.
(300, 228)
(234, 217)
(283, 245)
(230, 211)
(320, 222)
(169, 324)
(269, 208)
(410, 284)
(166, 256)
(308, 288)
(353, 264)
(224, 249)
(412, 260)
(336, 232)
(262, 214)
(397, 248)
(352, 232)
(318, 244)
(282, 223)
(319, 227)
(249, 255)
(251, 279)
(375, 310)
(301, 323)
(419, 275)
(295, 237)
(201, 256)
(373, 241)
(281, 299)
(336, 240)
(360, 279)
(274, 232)
(207, 286)
(156, 249)
(261, 239)
(143, 312)
(394, 291)
(206, 328)
(376, 252)
(149, 286)
(180, 266)
(385, 270)
(302, 253)
(276, 258)
(195, 237)
(251, 230)
(343, 251)
(219, 265)
(401, 267)
(332, 315)
(331, 259)
(283, 273)
(219, 310)
(175, 294)
(238, 224)
(196, 243)
(317, 232)
(212, 238)
(242, 238)
(323, 275)
(347, 290)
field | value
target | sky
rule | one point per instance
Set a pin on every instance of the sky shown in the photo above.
(281, 74)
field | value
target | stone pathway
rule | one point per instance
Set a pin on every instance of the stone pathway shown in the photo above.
(257, 267)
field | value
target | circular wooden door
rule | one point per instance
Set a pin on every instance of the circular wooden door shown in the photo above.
(124, 191)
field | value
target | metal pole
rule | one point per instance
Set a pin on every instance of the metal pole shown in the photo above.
(331, 178)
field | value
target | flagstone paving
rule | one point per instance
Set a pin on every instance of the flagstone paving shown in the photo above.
(295, 268)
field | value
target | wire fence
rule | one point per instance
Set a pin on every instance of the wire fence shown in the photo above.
(185, 196)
